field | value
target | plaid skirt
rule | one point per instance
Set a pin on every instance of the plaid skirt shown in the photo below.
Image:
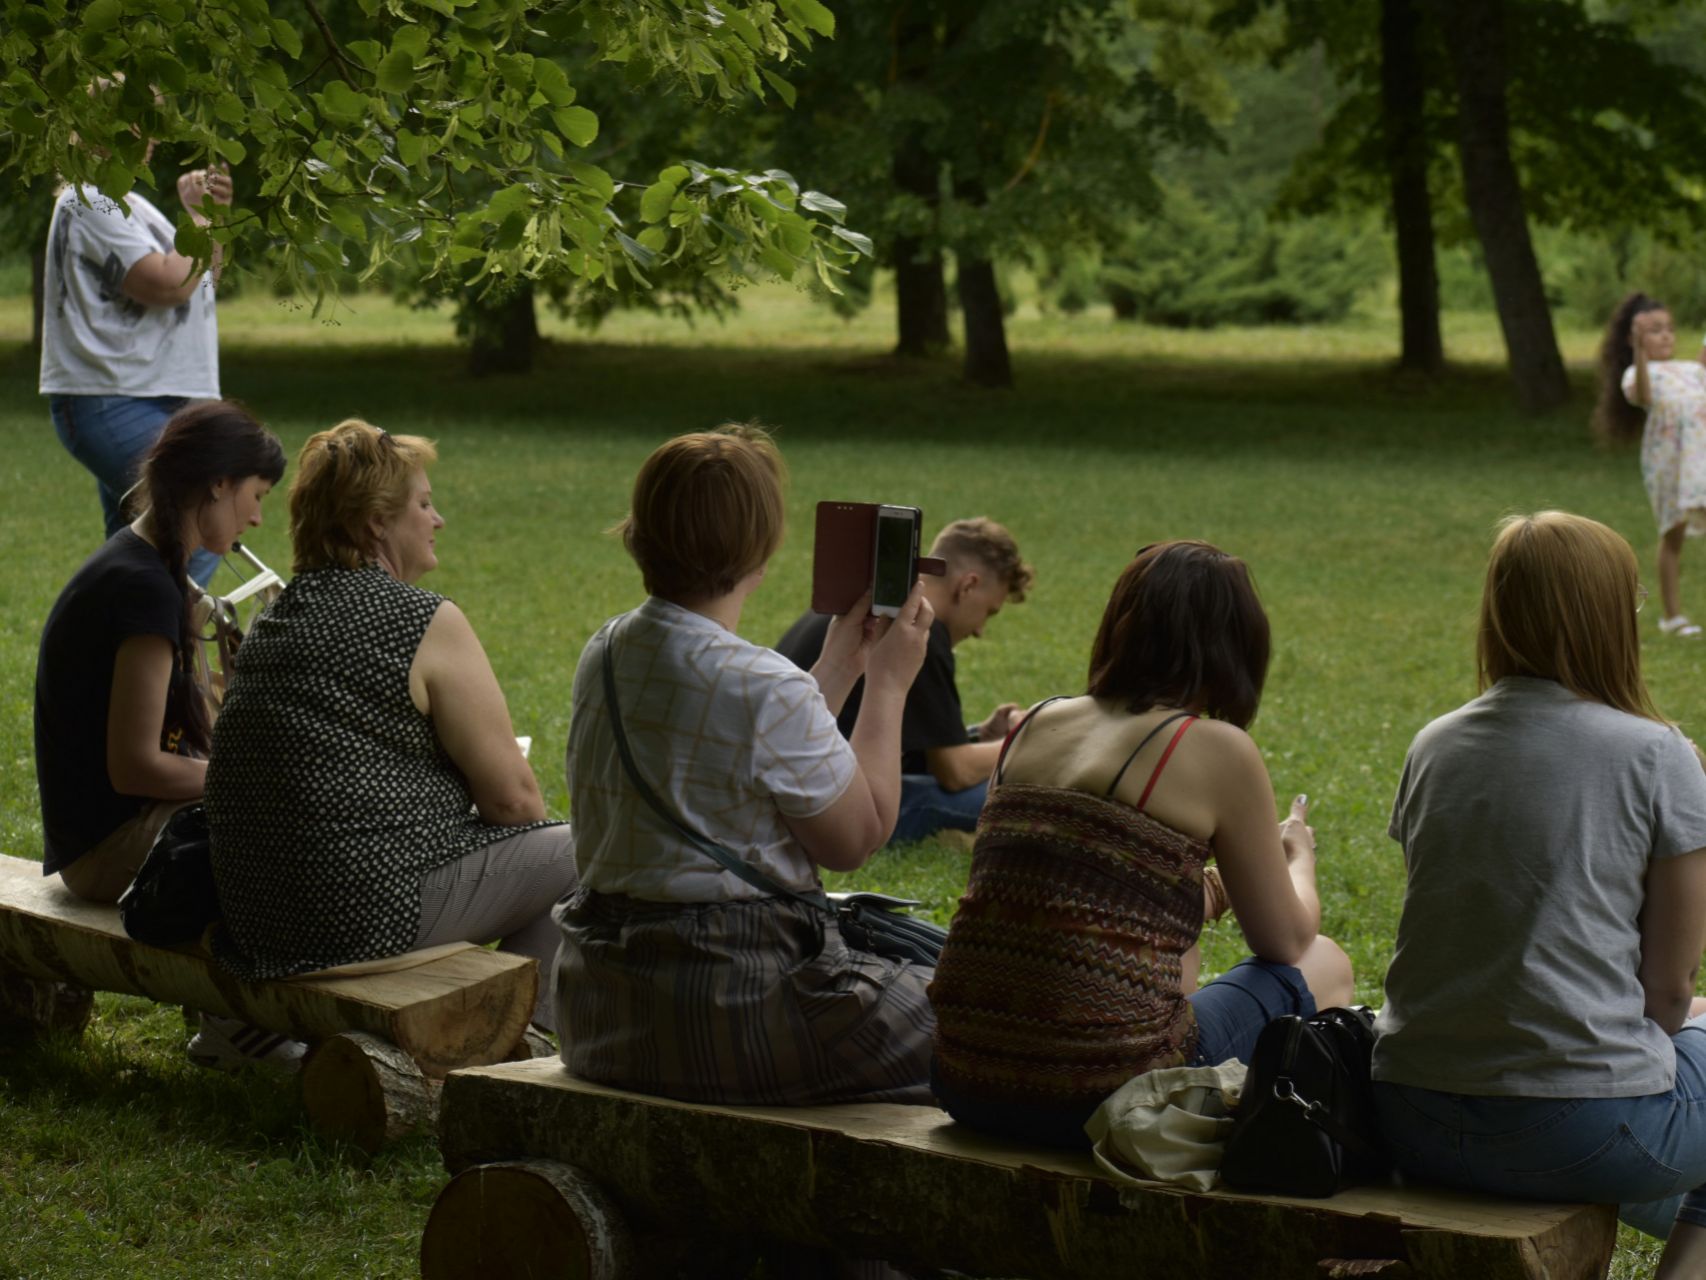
(757, 1002)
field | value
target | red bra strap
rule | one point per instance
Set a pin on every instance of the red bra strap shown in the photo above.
(1162, 763)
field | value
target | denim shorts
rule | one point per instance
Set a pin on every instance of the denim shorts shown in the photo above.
(1645, 1154)
(1232, 1010)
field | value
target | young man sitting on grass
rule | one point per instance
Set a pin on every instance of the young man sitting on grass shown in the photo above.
(945, 763)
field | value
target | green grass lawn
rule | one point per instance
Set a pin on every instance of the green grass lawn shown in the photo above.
(1363, 501)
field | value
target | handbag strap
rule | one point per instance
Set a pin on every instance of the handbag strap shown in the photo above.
(1323, 1119)
(730, 861)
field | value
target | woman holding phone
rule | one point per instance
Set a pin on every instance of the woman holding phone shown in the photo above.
(1072, 964)
(677, 975)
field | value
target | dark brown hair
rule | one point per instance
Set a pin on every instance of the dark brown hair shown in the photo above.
(1185, 628)
(707, 511)
(1614, 418)
(201, 445)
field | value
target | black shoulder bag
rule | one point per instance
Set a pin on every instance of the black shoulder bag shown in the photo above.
(871, 922)
(172, 900)
(1305, 1124)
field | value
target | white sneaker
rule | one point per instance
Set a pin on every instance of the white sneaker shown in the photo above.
(228, 1044)
(1679, 626)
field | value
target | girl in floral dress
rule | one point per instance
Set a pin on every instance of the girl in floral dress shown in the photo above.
(1643, 391)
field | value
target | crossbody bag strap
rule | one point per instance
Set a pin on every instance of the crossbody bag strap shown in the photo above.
(725, 857)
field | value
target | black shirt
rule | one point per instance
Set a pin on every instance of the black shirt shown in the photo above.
(123, 590)
(933, 717)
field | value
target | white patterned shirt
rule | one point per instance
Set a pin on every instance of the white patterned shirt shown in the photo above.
(732, 737)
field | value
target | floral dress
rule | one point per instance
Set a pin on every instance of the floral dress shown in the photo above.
(1673, 449)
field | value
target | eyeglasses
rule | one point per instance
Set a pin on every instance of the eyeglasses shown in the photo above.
(1640, 598)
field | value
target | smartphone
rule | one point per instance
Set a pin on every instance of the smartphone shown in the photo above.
(895, 560)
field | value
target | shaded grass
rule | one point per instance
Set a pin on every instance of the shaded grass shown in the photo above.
(1363, 502)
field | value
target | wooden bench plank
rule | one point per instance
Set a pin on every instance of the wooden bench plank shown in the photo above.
(463, 1009)
(907, 1184)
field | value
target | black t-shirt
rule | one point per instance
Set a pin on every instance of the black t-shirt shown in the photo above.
(123, 590)
(933, 717)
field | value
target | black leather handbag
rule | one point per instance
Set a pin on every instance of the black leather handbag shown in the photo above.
(172, 900)
(1305, 1125)
(871, 922)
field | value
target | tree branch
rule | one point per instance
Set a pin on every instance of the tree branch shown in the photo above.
(331, 41)
(1036, 151)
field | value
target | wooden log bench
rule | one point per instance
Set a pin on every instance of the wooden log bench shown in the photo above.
(384, 1033)
(556, 1177)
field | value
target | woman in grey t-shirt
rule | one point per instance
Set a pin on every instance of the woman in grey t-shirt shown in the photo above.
(1537, 1037)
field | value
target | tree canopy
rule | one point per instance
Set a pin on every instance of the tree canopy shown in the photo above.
(449, 132)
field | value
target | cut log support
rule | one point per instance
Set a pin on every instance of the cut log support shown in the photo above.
(461, 1009)
(908, 1185)
(367, 1091)
(525, 1220)
(34, 1006)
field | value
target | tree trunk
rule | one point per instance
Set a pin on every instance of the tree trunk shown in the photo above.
(921, 299)
(921, 296)
(987, 363)
(1494, 193)
(502, 332)
(38, 294)
(1403, 92)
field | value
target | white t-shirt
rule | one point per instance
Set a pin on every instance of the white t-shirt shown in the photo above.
(1529, 818)
(732, 737)
(98, 342)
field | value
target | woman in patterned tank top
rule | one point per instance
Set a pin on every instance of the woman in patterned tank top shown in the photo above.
(1072, 963)
(366, 795)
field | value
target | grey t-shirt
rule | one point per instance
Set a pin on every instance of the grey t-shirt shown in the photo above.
(1528, 818)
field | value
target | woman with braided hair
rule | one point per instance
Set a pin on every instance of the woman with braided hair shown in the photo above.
(121, 727)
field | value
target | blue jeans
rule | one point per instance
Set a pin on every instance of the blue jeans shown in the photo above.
(109, 435)
(1232, 1010)
(925, 808)
(1647, 1155)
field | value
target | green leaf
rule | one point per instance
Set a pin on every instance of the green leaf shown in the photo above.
(860, 242)
(654, 204)
(514, 227)
(396, 72)
(784, 90)
(508, 201)
(646, 257)
(347, 220)
(115, 178)
(102, 15)
(595, 180)
(577, 124)
(742, 26)
(193, 241)
(230, 110)
(288, 38)
(411, 147)
(553, 82)
(231, 149)
(817, 202)
(413, 38)
(654, 238)
(366, 52)
(811, 14)
(342, 104)
(777, 261)
(763, 205)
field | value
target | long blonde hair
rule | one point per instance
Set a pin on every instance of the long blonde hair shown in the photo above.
(1559, 603)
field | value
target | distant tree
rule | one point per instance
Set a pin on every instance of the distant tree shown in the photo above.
(983, 129)
(1558, 112)
(449, 134)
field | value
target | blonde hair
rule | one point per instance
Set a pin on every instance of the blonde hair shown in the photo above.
(981, 539)
(346, 478)
(706, 511)
(1559, 603)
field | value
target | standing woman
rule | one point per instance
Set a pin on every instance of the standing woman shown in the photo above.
(1644, 392)
(1536, 1039)
(121, 727)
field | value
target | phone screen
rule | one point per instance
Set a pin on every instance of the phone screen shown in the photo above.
(896, 546)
